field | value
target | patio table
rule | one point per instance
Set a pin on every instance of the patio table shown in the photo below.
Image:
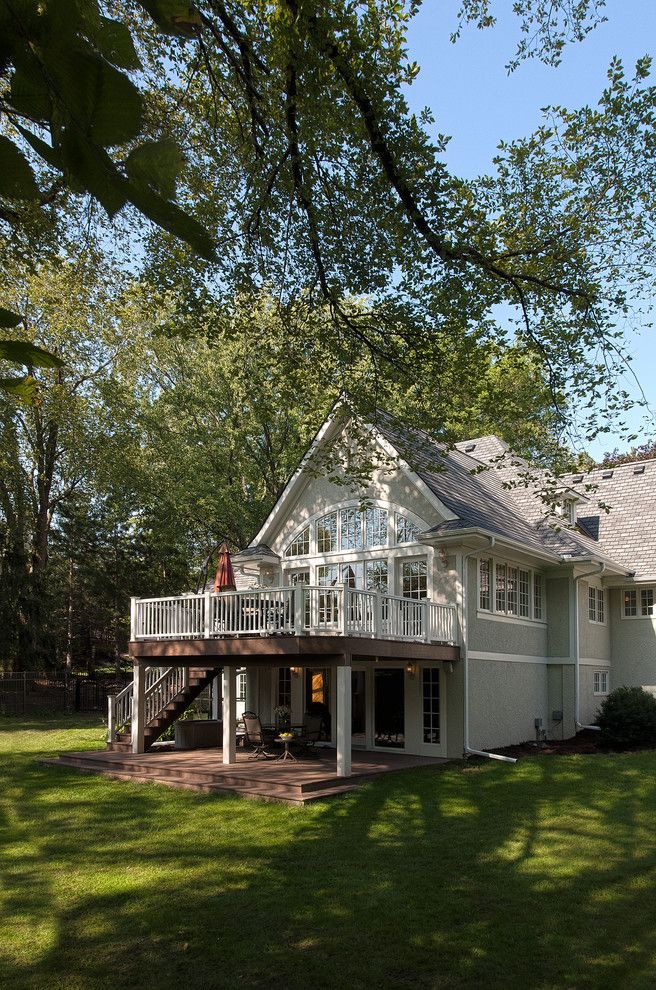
(286, 755)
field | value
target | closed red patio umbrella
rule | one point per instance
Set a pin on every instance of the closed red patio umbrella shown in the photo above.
(225, 576)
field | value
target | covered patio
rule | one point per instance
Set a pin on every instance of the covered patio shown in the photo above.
(312, 778)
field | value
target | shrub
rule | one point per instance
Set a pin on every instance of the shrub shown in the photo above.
(627, 717)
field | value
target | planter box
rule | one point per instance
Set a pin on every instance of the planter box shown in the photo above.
(198, 734)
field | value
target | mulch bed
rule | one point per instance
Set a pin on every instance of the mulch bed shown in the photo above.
(585, 742)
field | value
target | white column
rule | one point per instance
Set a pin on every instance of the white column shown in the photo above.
(216, 697)
(138, 708)
(344, 719)
(229, 714)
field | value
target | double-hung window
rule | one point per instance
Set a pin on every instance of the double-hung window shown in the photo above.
(600, 683)
(596, 604)
(508, 589)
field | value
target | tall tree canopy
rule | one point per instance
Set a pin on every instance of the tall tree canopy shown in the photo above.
(304, 168)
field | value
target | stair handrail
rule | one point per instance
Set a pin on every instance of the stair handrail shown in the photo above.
(163, 690)
(119, 712)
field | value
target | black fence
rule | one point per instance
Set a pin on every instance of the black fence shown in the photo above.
(36, 691)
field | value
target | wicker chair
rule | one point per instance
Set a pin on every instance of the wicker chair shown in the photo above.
(256, 736)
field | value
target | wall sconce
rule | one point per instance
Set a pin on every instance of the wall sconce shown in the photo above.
(411, 669)
(295, 671)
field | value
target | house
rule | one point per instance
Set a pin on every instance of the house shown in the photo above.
(461, 601)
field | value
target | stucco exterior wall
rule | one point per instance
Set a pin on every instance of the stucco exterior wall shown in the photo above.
(504, 699)
(633, 646)
(594, 637)
(558, 617)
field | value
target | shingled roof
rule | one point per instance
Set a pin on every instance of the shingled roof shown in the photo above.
(487, 487)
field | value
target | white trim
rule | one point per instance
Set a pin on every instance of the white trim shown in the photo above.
(521, 620)
(508, 657)
(527, 658)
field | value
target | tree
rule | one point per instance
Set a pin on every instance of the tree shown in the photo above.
(311, 175)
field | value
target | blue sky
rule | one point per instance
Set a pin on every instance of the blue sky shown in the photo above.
(474, 100)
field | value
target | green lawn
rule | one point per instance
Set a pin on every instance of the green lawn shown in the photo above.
(540, 875)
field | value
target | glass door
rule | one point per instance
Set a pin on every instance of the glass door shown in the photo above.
(358, 708)
(389, 707)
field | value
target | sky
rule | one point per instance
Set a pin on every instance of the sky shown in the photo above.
(473, 99)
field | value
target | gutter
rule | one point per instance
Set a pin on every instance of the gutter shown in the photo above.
(465, 659)
(599, 569)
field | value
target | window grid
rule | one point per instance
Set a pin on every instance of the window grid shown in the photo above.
(484, 584)
(413, 579)
(376, 575)
(375, 527)
(538, 596)
(630, 602)
(524, 594)
(406, 531)
(600, 685)
(327, 533)
(351, 525)
(501, 575)
(285, 686)
(431, 705)
(601, 605)
(647, 601)
(592, 604)
(300, 546)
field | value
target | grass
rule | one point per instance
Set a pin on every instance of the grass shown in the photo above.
(534, 876)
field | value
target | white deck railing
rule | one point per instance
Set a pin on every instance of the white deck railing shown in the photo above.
(301, 610)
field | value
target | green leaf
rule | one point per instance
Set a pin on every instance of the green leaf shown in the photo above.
(156, 164)
(16, 176)
(9, 319)
(22, 352)
(94, 170)
(23, 388)
(49, 154)
(28, 93)
(174, 16)
(114, 41)
(172, 218)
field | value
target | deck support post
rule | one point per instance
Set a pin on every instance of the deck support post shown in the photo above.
(344, 718)
(138, 708)
(216, 698)
(229, 714)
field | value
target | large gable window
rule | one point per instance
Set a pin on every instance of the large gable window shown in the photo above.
(327, 533)
(375, 527)
(351, 523)
(406, 531)
(300, 545)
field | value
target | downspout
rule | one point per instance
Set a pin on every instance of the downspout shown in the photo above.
(599, 569)
(465, 658)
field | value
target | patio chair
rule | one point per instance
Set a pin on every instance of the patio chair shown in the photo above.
(310, 733)
(256, 736)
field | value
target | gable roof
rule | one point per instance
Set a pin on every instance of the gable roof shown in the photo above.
(495, 491)
(626, 531)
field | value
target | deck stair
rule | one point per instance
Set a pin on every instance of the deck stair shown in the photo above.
(169, 692)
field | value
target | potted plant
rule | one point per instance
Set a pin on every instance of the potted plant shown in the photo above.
(283, 717)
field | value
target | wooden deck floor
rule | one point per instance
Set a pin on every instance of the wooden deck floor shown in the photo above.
(310, 779)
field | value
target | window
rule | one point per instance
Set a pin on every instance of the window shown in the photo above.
(406, 531)
(351, 520)
(524, 593)
(352, 574)
(300, 546)
(639, 603)
(327, 533)
(510, 590)
(241, 686)
(501, 574)
(375, 527)
(600, 685)
(538, 596)
(596, 604)
(327, 574)
(413, 579)
(431, 708)
(285, 686)
(484, 601)
(376, 575)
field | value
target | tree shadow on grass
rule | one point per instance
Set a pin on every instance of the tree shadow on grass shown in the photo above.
(537, 876)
